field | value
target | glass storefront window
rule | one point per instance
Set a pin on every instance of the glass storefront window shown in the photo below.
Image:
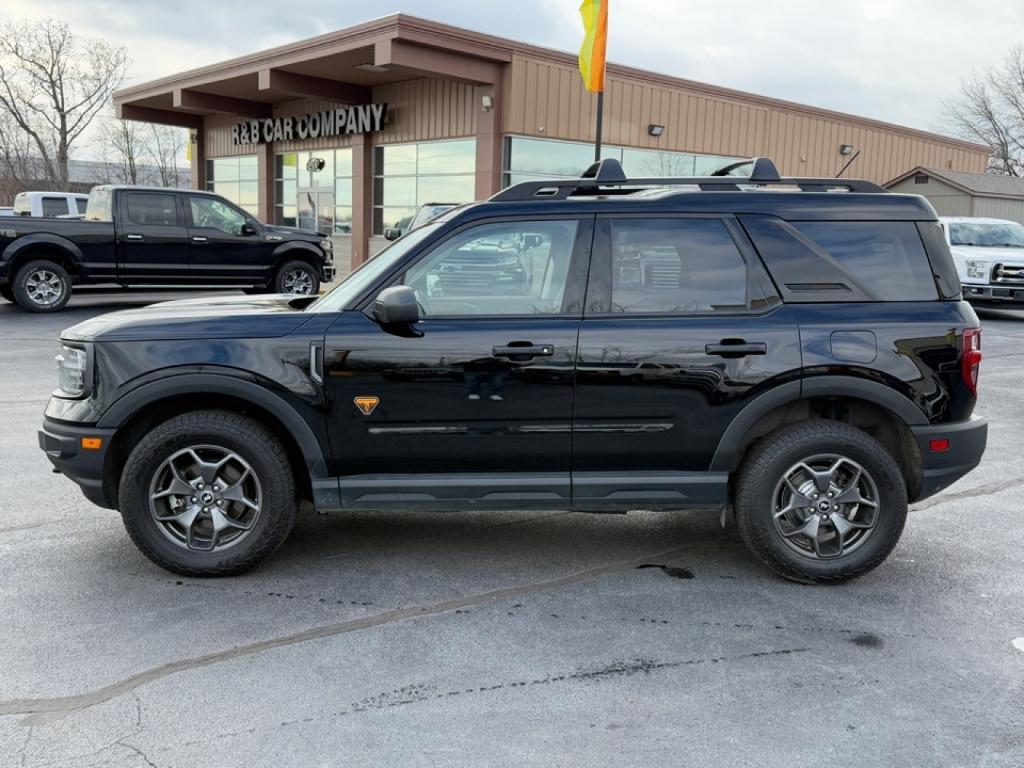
(538, 159)
(312, 199)
(407, 176)
(235, 179)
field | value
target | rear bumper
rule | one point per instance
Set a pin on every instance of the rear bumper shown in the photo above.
(942, 468)
(990, 294)
(62, 444)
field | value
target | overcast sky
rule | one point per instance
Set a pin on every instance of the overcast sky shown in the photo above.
(895, 60)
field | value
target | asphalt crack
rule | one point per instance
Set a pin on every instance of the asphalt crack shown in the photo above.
(88, 699)
(970, 493)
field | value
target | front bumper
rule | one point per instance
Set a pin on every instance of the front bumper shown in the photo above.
(940, 469)
(327, 272)
(62, 444)
(993, 294)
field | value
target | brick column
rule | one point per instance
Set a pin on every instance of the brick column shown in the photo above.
(362, 197)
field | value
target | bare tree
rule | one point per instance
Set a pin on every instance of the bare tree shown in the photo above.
(990, 109)
(166, 146)
(122, 146)
(53, 85)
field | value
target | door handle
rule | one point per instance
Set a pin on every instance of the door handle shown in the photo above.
(524, 349)
(736, 348)
(198, 239)
(133, 237)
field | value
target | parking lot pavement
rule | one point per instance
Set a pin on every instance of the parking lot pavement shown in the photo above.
(505, 639)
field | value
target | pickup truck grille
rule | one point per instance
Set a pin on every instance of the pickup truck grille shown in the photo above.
(1004, 273)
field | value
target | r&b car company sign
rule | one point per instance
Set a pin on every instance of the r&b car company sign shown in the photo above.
(366, 118)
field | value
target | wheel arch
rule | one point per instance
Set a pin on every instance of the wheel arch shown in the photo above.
(298, 251)
(140, 410)
(867, 405)
(43, 246)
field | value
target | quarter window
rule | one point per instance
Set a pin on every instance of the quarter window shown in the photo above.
(152, 209)
(518, 268)
(675, 266)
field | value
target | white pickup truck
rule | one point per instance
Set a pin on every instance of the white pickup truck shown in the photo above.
(49, 205)
(989, 256)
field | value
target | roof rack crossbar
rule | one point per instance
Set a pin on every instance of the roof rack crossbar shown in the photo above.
(608, 176)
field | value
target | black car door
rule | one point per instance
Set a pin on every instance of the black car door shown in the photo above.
(473, 406)
(224, 244)
(152, 238)
(682, 328)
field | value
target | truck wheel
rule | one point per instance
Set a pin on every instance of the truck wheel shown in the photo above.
(41, 286)
(820, 501)
(208, 493)
(297, 277)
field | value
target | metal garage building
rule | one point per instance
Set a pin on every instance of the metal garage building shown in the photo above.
(958, 193)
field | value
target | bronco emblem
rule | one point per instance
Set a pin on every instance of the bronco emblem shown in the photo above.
(366, 403)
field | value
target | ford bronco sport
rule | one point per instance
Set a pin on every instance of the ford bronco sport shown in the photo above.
(795, 351)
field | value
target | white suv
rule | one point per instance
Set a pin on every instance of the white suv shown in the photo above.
(989, 257)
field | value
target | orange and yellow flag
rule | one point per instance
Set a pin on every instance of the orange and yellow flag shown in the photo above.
(595, 43)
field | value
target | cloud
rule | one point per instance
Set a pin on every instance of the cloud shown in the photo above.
(894, 60)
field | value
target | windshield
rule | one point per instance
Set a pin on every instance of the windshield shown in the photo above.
(349, 289)
(990, 234)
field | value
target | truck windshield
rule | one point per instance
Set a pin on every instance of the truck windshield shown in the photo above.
(98, 206)
(349, 289)
(990, 234)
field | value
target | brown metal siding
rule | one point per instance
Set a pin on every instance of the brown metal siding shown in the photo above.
(546, 98)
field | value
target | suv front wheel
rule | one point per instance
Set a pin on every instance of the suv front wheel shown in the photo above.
(820, 501)
(208, 493)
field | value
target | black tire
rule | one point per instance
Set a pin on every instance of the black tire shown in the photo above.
(6, 292)
(41, 285)
(300, 271)
(761, 485)
(234, 433)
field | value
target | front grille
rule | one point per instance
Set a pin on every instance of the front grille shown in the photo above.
(1004, 273)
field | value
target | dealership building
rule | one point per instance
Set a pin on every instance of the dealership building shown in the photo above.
(350, 132)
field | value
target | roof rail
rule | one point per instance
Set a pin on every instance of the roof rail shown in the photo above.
(607, 178)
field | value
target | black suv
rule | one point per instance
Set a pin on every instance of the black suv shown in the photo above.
(795, 351)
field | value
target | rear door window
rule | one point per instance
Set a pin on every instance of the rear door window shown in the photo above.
(149, 209)
(887, 258)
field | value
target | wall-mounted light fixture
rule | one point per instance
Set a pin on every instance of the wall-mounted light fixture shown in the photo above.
(655, 130)
(846, 149)
(487, 103)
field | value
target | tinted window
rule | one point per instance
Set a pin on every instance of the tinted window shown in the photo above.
(150, 209)
(886, 258)
(211, 213)
(55, 206)
(78, 204)
(675, 265)
(516, 268)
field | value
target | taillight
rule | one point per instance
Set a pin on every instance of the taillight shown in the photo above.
(970, 358)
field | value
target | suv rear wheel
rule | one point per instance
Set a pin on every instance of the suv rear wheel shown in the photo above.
(820, 501)
(41, 286)
(208, 493)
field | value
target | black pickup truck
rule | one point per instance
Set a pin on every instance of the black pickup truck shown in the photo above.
(143, 237)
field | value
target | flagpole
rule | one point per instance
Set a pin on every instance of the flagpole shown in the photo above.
(600, 126)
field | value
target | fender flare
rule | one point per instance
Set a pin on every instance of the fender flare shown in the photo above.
(290, 247)
(137, 399)
(818, 386)
(44, 239)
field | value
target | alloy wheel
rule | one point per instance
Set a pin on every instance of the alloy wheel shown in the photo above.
(298, 281)
(44, 288)
(205, 498)
(825, 506)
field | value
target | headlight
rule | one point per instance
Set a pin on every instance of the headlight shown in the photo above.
(72, 370)
(327, 244)
(978, 270)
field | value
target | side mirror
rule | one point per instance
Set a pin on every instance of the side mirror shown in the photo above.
(396, 305)
(248, 230)
(392, 233)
